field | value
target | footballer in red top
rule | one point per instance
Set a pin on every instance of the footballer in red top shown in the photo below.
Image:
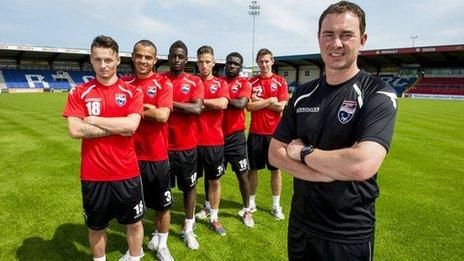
(188, 92)
(268, 99)
(235, 147)
(151, 142)
(210, 137)
(112, 157)
(105, 113)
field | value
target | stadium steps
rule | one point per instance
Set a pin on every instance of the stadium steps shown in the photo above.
(2, 81)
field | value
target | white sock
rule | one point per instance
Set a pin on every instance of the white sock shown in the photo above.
(246, 209)
(276, 201)
(252, 201)
(103, 258)
(163, 239)
(207, 205)
(135, 258)
(189, 224)
(214, 215)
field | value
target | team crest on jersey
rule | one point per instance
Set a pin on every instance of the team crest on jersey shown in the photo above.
(258, 91)
(234, 88)
(274, 87)
(185, 88)
(120, 99)
(213, 88)
(345, 114)
(151, 92)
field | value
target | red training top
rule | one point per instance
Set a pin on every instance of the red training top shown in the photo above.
(265, 121)
(210, 122)
(182, 127)
(234, 119)
(151, 138)
(113, 157)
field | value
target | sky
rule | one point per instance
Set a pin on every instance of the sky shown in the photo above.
(284, 27)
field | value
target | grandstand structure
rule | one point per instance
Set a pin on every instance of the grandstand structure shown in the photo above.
(422, 72)
(26, 68)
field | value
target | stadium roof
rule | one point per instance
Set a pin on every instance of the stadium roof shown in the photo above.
(429, 56)
(21, 52)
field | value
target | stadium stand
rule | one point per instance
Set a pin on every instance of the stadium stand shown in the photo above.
(439, 85)
(44, 79)
(399, 83)
(25, 68)
(441, 82)
(429, 72)
(2, 81)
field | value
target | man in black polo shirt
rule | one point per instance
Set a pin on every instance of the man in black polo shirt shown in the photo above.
(333, 136)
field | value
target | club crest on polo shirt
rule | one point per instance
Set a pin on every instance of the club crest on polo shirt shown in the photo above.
(151, 92)
(274, 87)
(258, 90)
(185, 88)
(346, 111)
(234, 88)
(120, 99)
(213, 88)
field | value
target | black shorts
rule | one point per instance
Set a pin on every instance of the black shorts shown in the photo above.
(156, 181)
(303, 246)
(258, 148)
(184, 168)
(105, 200)
(235, 153)
(211, 160)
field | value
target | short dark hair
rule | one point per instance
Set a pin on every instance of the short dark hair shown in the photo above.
(178, 44)
(145, 42)
(235, 54)
(342, 7)
(205, 49)
(104, 41)
(264, 51)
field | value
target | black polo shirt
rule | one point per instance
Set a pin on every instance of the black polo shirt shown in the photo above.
(332, 117)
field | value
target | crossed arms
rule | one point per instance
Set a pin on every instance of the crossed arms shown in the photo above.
(193, 107)
(357, 163)
(94, 126)
(272, 103)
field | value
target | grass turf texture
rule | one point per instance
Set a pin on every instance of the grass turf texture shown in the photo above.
(419, 214)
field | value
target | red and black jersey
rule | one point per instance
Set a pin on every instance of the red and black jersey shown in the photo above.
(265, 121)
(113, 157)
(234, 119)
(151, 138)
(183, 127)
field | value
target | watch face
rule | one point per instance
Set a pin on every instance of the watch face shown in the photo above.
(305, 151)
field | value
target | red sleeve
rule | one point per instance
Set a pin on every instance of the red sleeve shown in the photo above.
(283, 90)
(199, 92)
(74, 105)
(165, 99)
(224, 90)
(245, 91)
(136, 105)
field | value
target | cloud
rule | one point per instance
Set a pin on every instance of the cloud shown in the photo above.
(433, 9)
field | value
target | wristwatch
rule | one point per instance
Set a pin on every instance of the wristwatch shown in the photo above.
(306, 150)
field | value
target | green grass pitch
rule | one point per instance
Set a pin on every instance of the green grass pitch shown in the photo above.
(420, 213)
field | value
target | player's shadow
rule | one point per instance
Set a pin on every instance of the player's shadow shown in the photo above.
(69, 242)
